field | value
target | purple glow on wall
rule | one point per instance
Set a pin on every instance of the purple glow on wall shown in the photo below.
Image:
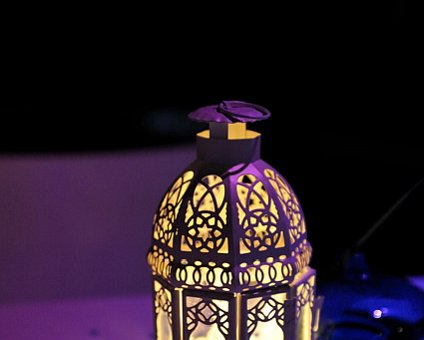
(74, 225)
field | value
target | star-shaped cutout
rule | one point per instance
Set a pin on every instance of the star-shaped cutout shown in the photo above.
(260, 231)
(204, 232)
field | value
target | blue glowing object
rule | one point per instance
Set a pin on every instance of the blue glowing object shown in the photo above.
(377, 314)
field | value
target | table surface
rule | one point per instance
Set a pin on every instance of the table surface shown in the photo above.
(110, 318)
(106, 318)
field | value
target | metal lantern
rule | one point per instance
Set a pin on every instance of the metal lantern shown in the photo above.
(229, 252)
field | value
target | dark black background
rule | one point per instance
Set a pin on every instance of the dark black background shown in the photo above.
(342, 83)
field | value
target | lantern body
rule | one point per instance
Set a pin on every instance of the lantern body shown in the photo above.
(229, 253)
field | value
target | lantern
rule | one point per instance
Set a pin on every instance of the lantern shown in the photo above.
(229, 253)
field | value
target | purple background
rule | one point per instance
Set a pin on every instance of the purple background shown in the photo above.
(79, 224)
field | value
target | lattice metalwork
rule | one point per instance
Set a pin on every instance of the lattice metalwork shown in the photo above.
(257, 215)
(289, 203)
(204, 275)
(265, 316)
(305, 295)
(207, 318)
(259, 274)
(160, 262)
(302, 254)
(163, 311)
(163, 224)
(206, 217)
(203, 226)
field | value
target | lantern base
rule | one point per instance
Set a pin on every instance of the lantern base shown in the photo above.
(287, 311)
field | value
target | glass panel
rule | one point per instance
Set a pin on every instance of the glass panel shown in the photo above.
(267, 331)
(265, 317)
(304, 326)
(207, 319)
(163, 311)
(305, 303)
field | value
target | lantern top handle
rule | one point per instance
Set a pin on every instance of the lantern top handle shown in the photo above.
(229, 112)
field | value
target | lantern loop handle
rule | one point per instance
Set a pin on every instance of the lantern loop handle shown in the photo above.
(227, 109)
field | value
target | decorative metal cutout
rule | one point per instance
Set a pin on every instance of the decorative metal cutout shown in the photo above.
(163, 225)
(302, 254)
(290, 204)
(305, 295)
(257, 215)
(207, 318)
(259, 275)
(160, 262)
(265, 317)
(210, 276)
(304, 307)
(163, 311)
(206, 217)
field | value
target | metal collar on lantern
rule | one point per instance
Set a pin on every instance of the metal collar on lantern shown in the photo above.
(229, 255)
(227, 140)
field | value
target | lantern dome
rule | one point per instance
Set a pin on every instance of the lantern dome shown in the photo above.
(230, 221)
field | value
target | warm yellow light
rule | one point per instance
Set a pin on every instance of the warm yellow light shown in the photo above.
(228, 131)
(266, 317)
(207, 134)
(163, 327)
(207, 333)
(163, 224)
(257, 215)
(267, 331)
(163, 310)
(207, 320)
(237, 131)
(305, 301)
(304, 324)
(206, 217)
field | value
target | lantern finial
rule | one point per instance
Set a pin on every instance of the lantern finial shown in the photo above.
(228, 119)
(230, 111)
